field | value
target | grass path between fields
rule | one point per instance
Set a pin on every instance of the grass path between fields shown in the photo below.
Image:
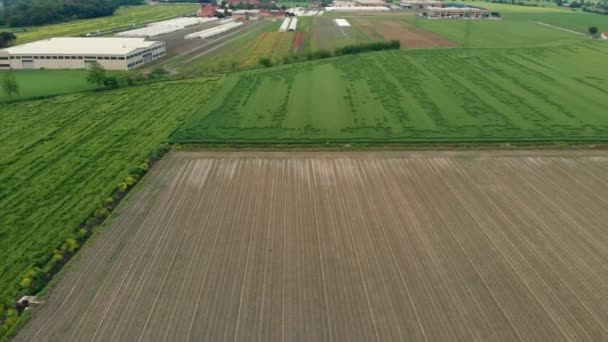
(559, 28)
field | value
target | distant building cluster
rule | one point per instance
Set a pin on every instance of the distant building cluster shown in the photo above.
(454, 12)
(419, 4)
(358, 3)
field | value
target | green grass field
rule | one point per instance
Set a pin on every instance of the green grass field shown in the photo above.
(519, 27)
(124, 17)
(506, 33)
(34, 83)
(506, 95)
(60, 157)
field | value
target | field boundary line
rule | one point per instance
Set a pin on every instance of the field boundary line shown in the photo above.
(310, 175)
(211, 255)
(557, 27)
(256, 211)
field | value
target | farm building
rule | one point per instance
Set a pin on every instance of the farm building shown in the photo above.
(358, 9)
(420, 3)
(340, 3)
(454, 12)
(272, 14)
(369, 3)
(247, 15)
(160, 28)
(227, 25)
(78, 53)
(206, 11)
(604, 36)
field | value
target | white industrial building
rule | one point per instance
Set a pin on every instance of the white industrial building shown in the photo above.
(214, 31)
(163, 27)
(358, 9)
(420, 3)
(77, 53)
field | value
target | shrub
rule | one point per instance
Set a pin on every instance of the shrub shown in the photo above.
(367, 47)
(593, 30)
(57, 257)
(129, 180)
(160, 151)
(25, 282)
(122, 187)
(265, 62)
(158, 72)
(72, 245)
(110, 82)
(144, 167)
(108, 201)
(101, 212)
(319, 54)
(82, 234)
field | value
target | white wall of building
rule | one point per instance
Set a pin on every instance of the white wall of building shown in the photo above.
(33, 59)
(47, 55)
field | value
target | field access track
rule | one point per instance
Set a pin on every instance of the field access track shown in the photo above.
(384, 246)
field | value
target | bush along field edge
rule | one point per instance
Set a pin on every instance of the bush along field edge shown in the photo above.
(36, 279)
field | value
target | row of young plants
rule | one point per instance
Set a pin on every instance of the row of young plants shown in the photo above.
(35, 279)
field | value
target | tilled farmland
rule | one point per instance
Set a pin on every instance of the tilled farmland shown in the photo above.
(327, 246)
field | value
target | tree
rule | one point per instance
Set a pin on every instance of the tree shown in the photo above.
(593, 30)
(265, 62)
(6, 39)
(10, 85)
(110, 82)
(97, 74)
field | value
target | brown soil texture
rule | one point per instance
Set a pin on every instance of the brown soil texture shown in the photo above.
(398, 30)
(337, 246)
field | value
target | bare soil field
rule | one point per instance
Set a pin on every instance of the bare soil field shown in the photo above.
(410, 37)
(330, 246)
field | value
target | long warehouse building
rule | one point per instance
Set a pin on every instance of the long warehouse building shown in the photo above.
(78, 53)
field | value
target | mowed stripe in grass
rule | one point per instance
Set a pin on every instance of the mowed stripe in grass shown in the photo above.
(534, 94)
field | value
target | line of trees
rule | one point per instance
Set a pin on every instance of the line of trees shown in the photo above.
(10, 85)
(345, 50)
(40, 12)
(7, 39)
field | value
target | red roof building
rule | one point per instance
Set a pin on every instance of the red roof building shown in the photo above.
(273, 14)
(206, 11)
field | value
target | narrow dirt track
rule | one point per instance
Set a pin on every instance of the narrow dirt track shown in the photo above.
(328, 246)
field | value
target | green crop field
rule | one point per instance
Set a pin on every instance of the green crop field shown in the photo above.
(235, 49)
(507, 95)
(124, 17)
(61, 156)
(34, 83)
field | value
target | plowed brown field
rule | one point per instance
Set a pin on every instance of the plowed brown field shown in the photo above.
(409, 37)
(428, 246)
